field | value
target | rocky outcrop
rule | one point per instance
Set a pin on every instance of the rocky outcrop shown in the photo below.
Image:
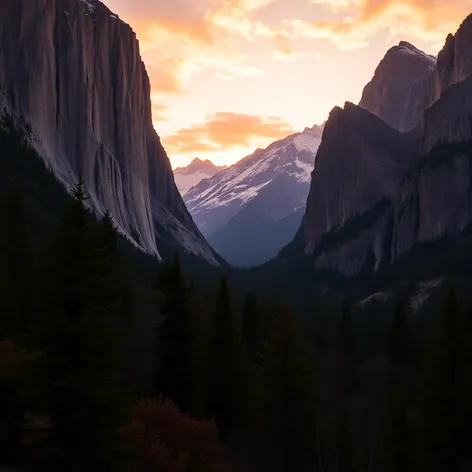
(398, 92)
(377, 194)
(454, 62)
(449, 120)
(435, 200)
(72, 71)
(389, 193)
(360, 162)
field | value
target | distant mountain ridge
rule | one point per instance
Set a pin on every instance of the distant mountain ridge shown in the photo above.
(237, 206)
(189, 176)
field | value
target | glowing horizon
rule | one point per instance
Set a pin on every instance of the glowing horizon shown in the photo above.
(230, 76)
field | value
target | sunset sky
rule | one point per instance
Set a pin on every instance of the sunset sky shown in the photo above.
(229, 76)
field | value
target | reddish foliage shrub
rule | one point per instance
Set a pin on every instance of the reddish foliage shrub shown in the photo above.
(166, 440)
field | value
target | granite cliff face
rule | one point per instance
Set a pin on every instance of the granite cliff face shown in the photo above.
(360, 164)
(376, 193)
(360, 161)
(398, 92)
(71, 70)
(448, 118)
(454, 63)
(436, 199)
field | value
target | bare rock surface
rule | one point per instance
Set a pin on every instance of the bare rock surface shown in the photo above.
(71, 70)
(398, 92)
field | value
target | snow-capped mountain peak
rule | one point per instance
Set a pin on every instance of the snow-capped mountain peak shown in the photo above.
(187, 177)
(199, 165)
(293, 156)
(282, 170)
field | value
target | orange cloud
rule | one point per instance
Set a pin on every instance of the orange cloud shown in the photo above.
(182, 17)
(173, 56)
(195, 19)
(251, 5)
(181, 38)
(428, 20)
(235, 20)
(246, 5)
(284, 49)
(225, 130)
(336, 5)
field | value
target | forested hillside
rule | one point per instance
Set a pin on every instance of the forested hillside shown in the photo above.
(111, 361)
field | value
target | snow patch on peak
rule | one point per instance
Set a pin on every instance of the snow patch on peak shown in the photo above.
(288, 160)
(198, 170)
(307, 141)
(314, 129)
(306, 170)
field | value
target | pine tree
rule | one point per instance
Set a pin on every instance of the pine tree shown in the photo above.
(108, 234)
(347, 351)
(398, 436)
(15, 267)
(439, 409)
(288, 395)
(228, 379)
(399, 339)
(251, 326)
(465, 391)
(201, 329)
(179, 374)
(120, 281)
(16, 367)
(346, 333)
(319, 335)
(75, 334)
(344, 454)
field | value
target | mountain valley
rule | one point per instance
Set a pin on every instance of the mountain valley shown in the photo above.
(249, 211)
(306, 309)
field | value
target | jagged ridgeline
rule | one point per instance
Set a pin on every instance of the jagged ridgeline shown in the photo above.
(446, 255)
(380, 196)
